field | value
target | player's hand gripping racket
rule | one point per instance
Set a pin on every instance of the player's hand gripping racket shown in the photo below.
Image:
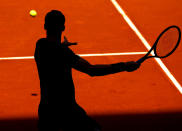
(166, 43)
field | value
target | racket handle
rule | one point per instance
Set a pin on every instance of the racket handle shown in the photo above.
(69, 44)
(140, 60)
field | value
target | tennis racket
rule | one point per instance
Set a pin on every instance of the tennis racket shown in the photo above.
(67, 43)
(165, 44)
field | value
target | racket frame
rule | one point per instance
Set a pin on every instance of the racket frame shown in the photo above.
(155, 44)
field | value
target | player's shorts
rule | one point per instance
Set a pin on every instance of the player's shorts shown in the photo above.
(74, 120)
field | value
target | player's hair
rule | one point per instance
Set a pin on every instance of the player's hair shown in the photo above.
(54, 20)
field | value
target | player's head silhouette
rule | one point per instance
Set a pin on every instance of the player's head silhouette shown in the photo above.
(54, 22)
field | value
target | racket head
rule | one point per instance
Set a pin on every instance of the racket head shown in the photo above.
(167, 42)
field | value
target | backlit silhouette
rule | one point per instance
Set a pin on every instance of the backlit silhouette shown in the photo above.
(58, 108)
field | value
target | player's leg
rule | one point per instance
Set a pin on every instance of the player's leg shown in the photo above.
(97, 129)
(86, 123)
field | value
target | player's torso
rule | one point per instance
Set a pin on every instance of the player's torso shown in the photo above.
(55, 74)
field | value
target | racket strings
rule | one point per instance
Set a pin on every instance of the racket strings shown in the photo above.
(167, 42)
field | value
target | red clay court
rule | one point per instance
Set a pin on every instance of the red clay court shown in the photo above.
(147, 99)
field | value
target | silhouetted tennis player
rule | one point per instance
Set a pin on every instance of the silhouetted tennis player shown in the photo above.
(58, 108)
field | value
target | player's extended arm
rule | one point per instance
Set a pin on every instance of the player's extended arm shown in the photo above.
(105, 69)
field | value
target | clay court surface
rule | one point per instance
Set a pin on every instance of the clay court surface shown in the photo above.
(146, 99)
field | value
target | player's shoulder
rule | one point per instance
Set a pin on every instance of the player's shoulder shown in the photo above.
(68, 49)
(71, 53)
(41, 40)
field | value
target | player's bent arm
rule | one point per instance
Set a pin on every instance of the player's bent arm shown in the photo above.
(98, 70)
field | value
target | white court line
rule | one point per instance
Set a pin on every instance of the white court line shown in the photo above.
(16, 58)
(113, 54)
(83, 55)
(133, 27)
